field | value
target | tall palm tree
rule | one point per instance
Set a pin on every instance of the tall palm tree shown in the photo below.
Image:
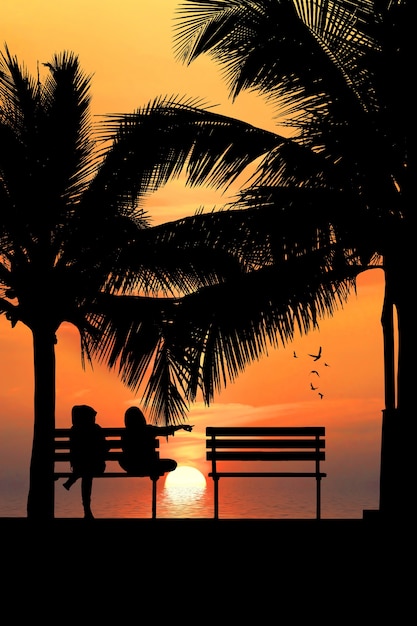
(75, 241)
(338, 72)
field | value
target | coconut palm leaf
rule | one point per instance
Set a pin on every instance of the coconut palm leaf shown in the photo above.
(297, 53)
(209, 336)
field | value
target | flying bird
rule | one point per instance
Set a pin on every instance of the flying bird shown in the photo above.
(314, 372)
(317, 356)
(295, 356)
(313, 387)
(321, 396)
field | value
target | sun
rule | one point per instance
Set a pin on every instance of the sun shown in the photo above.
(185, 476)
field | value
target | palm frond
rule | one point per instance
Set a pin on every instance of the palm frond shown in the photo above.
(172, 259)
(47, 157)
(168, 136)
(324, 56)
(66, 102)
(19, 95)
(202, 341)
(236, 324)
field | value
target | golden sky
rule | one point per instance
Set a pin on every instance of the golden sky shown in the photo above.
(127, 46)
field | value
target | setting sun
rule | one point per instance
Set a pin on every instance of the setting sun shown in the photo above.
(185, 476)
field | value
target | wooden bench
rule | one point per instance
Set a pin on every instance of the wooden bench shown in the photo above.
(113, 437)
(266, 444)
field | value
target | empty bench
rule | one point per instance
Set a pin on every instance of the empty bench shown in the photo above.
(113, 438)
(247, 445)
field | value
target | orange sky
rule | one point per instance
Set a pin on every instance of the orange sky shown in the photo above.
(127, 45)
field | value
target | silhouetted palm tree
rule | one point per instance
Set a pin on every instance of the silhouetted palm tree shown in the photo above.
(74, 244)
(338, 72)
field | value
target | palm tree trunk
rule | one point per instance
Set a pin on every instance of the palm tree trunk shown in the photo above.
(398, 424)
(388, 414)
(40, 503)
(405, 419)
(387, 321)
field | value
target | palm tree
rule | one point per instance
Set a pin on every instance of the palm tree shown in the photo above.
(75, 242)
(338, 72)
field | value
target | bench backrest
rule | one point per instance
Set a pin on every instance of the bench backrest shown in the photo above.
(112, 435)
(304, 443)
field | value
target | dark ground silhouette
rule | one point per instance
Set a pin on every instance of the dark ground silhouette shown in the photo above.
(225, 571)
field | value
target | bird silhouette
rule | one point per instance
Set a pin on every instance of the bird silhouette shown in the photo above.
(321, 396)
(317, 356)
(313, 387)
(314, 372)
(326, 365)
(295, 356)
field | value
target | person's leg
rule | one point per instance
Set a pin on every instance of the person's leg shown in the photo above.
(86, 489)
(167, 465)
(70, 481)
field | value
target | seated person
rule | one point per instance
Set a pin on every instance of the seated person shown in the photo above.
(139, 456)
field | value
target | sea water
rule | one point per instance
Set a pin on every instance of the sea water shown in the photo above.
(260, 498)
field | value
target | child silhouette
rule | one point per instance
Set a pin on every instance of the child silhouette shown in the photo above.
(88, 449)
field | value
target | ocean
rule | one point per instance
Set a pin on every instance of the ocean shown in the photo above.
(260, 498)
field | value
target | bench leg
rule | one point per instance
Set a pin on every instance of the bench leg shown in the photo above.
(216, 498)
(154, 481)
(318, 498)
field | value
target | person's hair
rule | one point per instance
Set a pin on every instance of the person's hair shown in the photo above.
(83, 413)
(134, 417)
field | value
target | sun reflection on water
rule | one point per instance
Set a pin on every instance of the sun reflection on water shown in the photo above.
(183, 500)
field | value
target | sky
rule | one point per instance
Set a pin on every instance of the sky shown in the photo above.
(127, 46)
